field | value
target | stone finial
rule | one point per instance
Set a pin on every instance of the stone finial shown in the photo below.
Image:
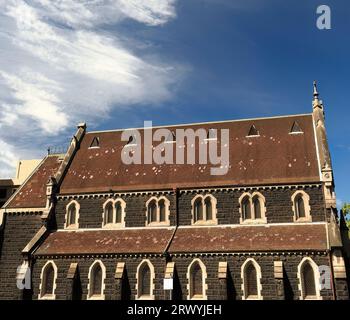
(316, 102)
(81, 125)
(315, 90)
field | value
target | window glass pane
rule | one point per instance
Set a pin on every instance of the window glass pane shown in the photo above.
(246, 208)
(145, 286)
(162, 211)
(152, 211)
(196, 280)
(72, 212)
(300, 208)
(309, 280)
(251, 281)
(257, 208)
(209, 209)
(198, 210)
(97, 280)
(118, 218)
(109, 213)
(48, 280)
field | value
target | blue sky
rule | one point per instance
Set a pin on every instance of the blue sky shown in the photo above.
(174, 62)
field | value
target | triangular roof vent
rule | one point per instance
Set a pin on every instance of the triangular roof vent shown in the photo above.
(171, 138)
(95, 143)
(296, 128)
(253, 131)
(212, 134)
(132, 140)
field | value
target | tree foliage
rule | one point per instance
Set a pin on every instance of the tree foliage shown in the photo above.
(346, 209)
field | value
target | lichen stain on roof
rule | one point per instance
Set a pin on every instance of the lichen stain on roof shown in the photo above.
(33, 192)
(250, 238)
(106, 241)
(273, 153)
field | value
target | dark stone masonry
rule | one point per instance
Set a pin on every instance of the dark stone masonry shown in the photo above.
(85, 225)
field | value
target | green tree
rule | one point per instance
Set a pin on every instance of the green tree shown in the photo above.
(346, 213)
(346, 209)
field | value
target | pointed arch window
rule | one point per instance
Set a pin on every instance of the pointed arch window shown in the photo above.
(246, 208)
(162, 210)
(152, 211)
(204, 209)
(158, 211)
(72, 215)
(145, 286)
(257, 207)
(96, 286)
(145, 280)
(301, 206)
(114, 213)
(118, 212)
(251, 276)
(252, 208)
(197, 275)
(251, 281)
(196, 281)
(109, 213)
(208, 208)
(309, 279)
(198, 210)
(48, 281)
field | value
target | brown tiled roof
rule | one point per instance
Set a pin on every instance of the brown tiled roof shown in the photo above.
(250, 238)
(274, 157)
(32, 194)
(106, 241)
(194, 239)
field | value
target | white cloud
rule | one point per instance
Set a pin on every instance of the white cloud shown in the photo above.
(7, 158)
(59, 65)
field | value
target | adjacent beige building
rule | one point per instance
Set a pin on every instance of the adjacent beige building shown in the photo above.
(9, 186)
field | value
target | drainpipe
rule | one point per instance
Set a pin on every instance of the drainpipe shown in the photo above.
(176, 193)
(332, 275)
(165, 252)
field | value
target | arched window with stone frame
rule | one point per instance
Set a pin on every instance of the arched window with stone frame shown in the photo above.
(114, 213)
(96, 285)
(158, 211)
(251, 280)
(196, 276)
(145, 280)
(301, 206)
(252, 208)
(204, 209)
(72, 215)
(48, 281)
(309, 280)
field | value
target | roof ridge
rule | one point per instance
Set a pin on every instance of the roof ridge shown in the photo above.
(199, 123)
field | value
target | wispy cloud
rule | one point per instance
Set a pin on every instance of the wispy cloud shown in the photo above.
(344, 147)
(59, 64)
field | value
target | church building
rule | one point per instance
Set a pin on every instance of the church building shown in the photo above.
(85, 225)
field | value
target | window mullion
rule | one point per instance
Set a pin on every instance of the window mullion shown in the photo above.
(158, 213)
(204, 206)
(114, 213)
